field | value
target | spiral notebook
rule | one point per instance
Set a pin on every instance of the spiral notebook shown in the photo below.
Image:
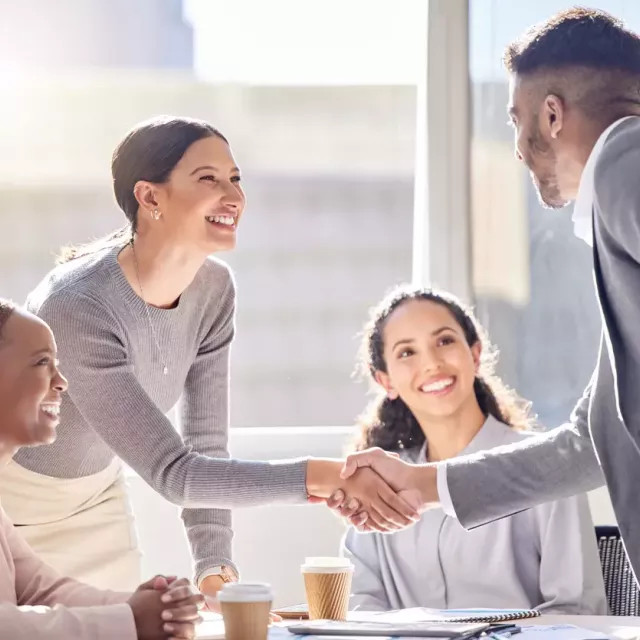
(423, 614)
(488, 615)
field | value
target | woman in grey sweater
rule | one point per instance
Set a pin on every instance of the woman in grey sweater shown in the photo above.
(143, 319)
(441, 399)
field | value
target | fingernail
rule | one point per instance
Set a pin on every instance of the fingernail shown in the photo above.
(167, 615)
(353, 503)
(166, 598)
(168, 628)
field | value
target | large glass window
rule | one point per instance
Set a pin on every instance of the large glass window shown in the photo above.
(318, 99)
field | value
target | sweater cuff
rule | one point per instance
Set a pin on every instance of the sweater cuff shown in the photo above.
(110, 621)
(124, 624)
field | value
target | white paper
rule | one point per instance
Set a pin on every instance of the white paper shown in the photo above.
(211, 628)
(559, 632)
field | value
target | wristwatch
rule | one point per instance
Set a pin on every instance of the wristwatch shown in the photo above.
(227, 574)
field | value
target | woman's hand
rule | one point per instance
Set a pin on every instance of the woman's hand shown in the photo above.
(350, 509)
(158, 583)
(182, 602)
(210, 587)
(166, 608)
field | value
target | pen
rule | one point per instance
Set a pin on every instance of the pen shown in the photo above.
(507, 633)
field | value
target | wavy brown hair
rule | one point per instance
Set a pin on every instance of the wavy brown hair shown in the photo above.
(390, 424)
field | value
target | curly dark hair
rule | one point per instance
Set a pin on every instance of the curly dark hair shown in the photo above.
(6, 309)
(590, 52)
(390, 424)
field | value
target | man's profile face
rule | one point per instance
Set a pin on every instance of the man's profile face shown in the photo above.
(533, 143)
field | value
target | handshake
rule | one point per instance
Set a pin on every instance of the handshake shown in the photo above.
(374, 489)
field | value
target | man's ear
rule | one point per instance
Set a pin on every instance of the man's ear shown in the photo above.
(552, 116)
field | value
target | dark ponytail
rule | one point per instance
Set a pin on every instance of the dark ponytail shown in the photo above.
(150, 152)
(390, 424)
(6, 310)
(115, 239)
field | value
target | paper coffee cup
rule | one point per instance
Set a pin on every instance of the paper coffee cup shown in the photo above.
(245, 610)
(327, 582)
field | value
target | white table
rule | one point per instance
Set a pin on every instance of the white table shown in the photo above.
(617, 627)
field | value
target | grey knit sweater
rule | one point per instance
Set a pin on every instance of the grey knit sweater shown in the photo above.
(118, 396)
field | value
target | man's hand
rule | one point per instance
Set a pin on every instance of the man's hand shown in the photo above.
(387, 511)
(416, 484)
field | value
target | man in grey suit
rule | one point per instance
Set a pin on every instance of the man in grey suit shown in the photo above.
(575, 102)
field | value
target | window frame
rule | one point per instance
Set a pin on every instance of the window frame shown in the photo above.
(442, 196)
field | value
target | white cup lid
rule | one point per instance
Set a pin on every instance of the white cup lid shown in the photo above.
(326, 565)
(246, 592)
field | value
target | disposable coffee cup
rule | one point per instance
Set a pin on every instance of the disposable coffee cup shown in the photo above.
(245, 610)
(327, 582)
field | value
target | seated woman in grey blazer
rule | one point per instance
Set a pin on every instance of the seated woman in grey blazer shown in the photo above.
(439, 398)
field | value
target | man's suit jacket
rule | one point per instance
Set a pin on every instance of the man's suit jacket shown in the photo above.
(602, 440)
(37, 604)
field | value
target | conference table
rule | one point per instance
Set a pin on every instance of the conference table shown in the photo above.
(616, 627)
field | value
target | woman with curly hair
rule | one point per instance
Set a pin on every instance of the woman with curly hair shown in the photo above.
(438, 397)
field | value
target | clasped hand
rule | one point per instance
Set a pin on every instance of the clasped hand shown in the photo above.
(166, 609)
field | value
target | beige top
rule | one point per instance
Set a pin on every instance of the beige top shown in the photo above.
(36, 603)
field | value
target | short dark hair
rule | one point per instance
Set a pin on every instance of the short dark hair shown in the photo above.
(577, 37)
(150, 151)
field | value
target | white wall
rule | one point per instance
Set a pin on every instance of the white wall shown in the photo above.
(270, 542)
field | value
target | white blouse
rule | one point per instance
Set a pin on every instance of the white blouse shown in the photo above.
(544, 558)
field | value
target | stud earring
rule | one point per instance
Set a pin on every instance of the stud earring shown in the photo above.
(156, 214)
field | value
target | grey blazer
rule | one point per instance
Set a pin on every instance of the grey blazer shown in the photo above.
(602, 440)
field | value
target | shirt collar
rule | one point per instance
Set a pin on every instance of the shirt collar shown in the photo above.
(583, 208)
(491, 434)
